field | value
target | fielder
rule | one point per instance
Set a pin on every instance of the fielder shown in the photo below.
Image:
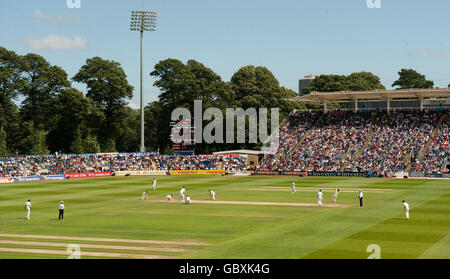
(293, 191)
(319, 197)
(188, 200)
(212, 195)
(144, 196)
(360, 196)
(181, 195)
(154, 184)
(169, 197)
(336, 193)
(406, 207)
(28, 209)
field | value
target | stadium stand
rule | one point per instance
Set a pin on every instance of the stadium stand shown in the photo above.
(414, 141)
(26, 166)
(361, 142)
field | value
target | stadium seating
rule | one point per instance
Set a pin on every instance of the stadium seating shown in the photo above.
(377, 142)
(360, 142)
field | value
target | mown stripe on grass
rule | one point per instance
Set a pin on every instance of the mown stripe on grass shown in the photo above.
(96, 239)
(89, 254)
(95, 246)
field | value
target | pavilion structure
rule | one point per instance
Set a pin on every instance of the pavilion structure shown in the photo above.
(437, 97)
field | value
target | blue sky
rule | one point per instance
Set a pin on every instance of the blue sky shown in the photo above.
(291, 38)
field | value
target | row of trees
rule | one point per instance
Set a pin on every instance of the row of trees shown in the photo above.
(362, 81)
(55, 117)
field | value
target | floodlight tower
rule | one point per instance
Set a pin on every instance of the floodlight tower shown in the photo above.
(143, 21)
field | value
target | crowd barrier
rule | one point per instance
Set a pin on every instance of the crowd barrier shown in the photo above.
(88, 174)
(197, 172)
(341, 173)
(316, 173)
(6, 180)
(133, 173)
(32, 178)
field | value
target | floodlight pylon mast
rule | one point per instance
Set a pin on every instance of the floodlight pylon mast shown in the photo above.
(142, 21)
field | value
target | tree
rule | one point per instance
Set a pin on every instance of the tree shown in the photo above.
(109, 89)
(90, 145)
(180, 86)
(361, 81)
(11, 84)
(3, 148)
(409, 78)
(327, 83)
(128, 138)
(257, 87)
(72, 110)
(37, 143)
(42, 83)
(157, 127)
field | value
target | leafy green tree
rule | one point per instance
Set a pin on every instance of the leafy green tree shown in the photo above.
(109, 89)
(409, 78)
(11, 85)
(361, 81)
(157, 127)
(180, 86)
(90, 145)
(42, 83)
(37, 143)
(3, 148)
(72, 110)
(257, 87)
(77, 145)
(327, 83)
(128, 138)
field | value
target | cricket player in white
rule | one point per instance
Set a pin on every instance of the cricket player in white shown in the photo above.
(188, 200)
(293, 191)
(28, 209)
(181, 195)
(212, 195)
(144, 196)
(319, 197)
(336, 193)
(406, 207)
(169, 197)
(154, 184)
(360, 196)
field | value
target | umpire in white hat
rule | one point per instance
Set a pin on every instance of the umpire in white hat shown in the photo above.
(61, 211)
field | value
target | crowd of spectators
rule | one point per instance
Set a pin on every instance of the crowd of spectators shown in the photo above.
(436, 158)
(332, 142)
(399, 137)
(335, 141)
(290, 132)
(26, 166)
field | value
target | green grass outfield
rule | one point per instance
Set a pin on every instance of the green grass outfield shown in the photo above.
(111, 209)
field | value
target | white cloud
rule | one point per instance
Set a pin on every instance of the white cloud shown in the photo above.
(427, 52)
(53, 41)
(58, 18)
(134, 106)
